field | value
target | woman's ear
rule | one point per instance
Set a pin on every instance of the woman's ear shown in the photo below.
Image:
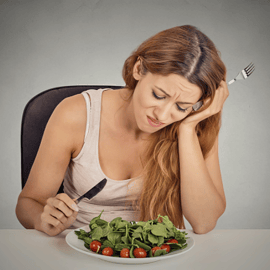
(137, 70)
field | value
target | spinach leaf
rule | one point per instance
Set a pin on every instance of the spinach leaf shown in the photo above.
(94, 220)
(114, 223)
(125, 239)
(152, 238)
(141, 223)
(122, 224)
(106, 230)
(142, 245)
(87, 240)
(138, 230)
(81, 232)
(159, 230)
(87, 246)
(144, 235)
(97, 233)
(107, 243)
(137, 235)
(101, 223)
(148, 226)
(170, 233)
(119, 247)
(114, 237)
(176, 246)
(160, 240)
(160, 252)
(167, 222)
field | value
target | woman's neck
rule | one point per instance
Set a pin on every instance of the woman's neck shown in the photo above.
(124, 115)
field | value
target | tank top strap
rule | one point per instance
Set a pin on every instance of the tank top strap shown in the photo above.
(88, 108)
(93, 108)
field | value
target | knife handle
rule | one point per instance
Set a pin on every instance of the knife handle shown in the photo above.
(77, 200)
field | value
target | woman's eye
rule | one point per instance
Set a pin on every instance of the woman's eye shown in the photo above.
(156, 96)
(181, 109)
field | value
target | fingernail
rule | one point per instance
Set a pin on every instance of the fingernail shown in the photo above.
(75, 207)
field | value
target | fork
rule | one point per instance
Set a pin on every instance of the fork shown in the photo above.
(243, 74)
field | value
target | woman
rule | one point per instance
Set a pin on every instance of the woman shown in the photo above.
(146, 133)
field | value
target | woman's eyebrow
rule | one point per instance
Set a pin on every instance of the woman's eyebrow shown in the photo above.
(170, 96)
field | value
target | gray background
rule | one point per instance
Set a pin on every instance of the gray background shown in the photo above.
(44, 44)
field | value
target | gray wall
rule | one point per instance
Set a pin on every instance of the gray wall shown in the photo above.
(44, 44)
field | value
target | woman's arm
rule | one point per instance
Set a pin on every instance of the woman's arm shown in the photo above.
(63, 137)
(202, 194)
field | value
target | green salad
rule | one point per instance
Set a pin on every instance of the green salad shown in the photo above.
(121, 238)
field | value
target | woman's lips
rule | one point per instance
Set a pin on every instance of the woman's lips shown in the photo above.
(153, 122)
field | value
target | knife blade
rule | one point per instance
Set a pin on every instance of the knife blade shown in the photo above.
(93, 191)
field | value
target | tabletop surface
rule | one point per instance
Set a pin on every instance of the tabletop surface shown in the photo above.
(218, 249)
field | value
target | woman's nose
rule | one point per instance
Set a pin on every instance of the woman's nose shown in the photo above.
(162, 113)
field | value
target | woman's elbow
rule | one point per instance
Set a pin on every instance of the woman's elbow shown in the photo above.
(204, 229)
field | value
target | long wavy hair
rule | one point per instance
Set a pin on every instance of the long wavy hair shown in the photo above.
(186, 51)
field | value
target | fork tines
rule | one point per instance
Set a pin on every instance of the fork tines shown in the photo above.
(249, 69)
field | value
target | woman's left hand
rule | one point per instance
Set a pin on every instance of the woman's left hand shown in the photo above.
(220, 96)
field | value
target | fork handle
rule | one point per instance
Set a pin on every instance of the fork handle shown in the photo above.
(230, 82)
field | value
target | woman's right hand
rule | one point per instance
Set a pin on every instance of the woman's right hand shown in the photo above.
(58, 214)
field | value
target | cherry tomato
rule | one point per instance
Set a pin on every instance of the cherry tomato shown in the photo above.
(107, 251)
(95, 245)
(154, 249)
(172, 241)
(166, 247)
(125, 253)
(139, 253)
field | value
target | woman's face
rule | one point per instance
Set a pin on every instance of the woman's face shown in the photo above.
(159, 101)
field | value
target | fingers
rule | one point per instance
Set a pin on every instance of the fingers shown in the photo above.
(68, 201)
(49, 219)
(71, 219)
(63, 203)
(57, 218)
(223, 87)
(58, 214)
(221, 95)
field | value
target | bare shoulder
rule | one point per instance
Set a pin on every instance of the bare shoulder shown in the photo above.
(73, 109)
(70, 115)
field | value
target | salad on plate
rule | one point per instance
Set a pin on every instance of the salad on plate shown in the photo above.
(121, 238)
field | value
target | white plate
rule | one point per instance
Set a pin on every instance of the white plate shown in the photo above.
(77, 244)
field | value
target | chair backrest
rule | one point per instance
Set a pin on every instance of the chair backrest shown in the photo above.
(35, 117)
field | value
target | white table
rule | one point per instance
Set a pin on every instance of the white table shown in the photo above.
(218, 249)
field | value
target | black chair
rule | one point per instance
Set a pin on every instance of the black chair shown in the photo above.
(35, 117)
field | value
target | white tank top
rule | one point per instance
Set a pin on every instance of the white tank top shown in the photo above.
(84, 172)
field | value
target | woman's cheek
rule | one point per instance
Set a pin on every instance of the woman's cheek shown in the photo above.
(144, 101)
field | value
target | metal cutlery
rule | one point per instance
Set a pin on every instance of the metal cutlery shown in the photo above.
(243, 74)
(93, 191)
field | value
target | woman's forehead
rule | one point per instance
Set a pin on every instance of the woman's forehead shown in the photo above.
(174, 84)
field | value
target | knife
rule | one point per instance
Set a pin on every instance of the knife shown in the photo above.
(93, 191)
